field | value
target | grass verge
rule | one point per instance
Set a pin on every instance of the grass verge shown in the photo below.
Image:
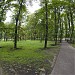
(29, 54)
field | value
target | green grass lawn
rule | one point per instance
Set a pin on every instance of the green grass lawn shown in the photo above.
(29, 53)
(73, 45)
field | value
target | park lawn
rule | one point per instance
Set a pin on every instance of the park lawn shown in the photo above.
(73, 45)
(29, 53)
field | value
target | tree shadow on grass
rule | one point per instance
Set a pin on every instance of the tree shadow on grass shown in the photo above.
(0, 47)
(13, 49)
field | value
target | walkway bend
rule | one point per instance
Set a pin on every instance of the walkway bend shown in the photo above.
(65, 63)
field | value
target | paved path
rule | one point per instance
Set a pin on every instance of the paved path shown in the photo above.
(0, 71)
(65, 63)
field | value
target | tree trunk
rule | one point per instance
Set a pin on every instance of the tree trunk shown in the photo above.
(15, 39)
(72, 24)
(66, 28)
(55, 27)
(17, 18)
(46, 34)
(59, 22)
(69, 32)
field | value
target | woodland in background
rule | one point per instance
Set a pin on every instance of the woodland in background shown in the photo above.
(54, 21)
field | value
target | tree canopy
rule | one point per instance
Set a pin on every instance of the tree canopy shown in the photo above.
(53, 21)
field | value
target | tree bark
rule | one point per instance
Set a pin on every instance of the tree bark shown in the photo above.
(46, 34)
(72, 24)
(55, 27)
(69, 32)
(17, 18)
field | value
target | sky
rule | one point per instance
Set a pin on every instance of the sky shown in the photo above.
(31, 9)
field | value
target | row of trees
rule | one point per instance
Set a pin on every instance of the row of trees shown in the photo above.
(53, 21)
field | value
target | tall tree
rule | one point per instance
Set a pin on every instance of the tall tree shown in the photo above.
(46, 34)
(17, 19)
(56, 27)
